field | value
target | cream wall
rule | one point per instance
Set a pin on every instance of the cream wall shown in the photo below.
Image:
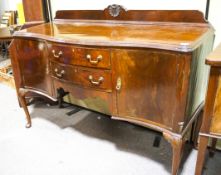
(128, 4)
(215, 18)
(8, 5)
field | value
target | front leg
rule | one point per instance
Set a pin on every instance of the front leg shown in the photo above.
(21, 95)
(177, 147)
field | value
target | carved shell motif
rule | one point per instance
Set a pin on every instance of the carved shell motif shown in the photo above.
(114, 10)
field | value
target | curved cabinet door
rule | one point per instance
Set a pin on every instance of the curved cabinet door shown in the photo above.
(33, 64)
(154, 86)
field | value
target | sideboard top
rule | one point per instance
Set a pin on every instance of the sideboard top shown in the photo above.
(116, 27)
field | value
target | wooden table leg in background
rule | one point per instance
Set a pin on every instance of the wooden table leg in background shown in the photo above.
(207, 117)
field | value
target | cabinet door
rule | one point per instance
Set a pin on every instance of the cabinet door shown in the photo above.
(154, 86)
(33, 65)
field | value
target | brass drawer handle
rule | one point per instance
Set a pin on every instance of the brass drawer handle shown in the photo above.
(94, 62)
(57, 55)
(59, 75)
(100, 80)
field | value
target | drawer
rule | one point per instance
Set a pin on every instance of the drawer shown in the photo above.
(99, 79)
(88, 57)
(61, 53)
(64, 72)
(92, 57)
(86, 77)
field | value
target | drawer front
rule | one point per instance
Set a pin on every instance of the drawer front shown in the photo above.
(86, 77)
(88, 57)
(99, 79)
(92, 57)
(61, 53)
(64, 72)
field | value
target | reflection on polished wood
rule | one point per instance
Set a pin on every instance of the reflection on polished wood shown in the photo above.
(136, 66)
(182, 37)
(34, 10)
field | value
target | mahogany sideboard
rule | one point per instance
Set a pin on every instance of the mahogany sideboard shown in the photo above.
(211, 125)
(140, 66)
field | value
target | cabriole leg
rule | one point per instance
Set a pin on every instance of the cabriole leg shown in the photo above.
(177, 147)
(21, 95)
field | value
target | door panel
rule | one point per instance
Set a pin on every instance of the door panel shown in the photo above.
(149, 85)
(33, 63)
